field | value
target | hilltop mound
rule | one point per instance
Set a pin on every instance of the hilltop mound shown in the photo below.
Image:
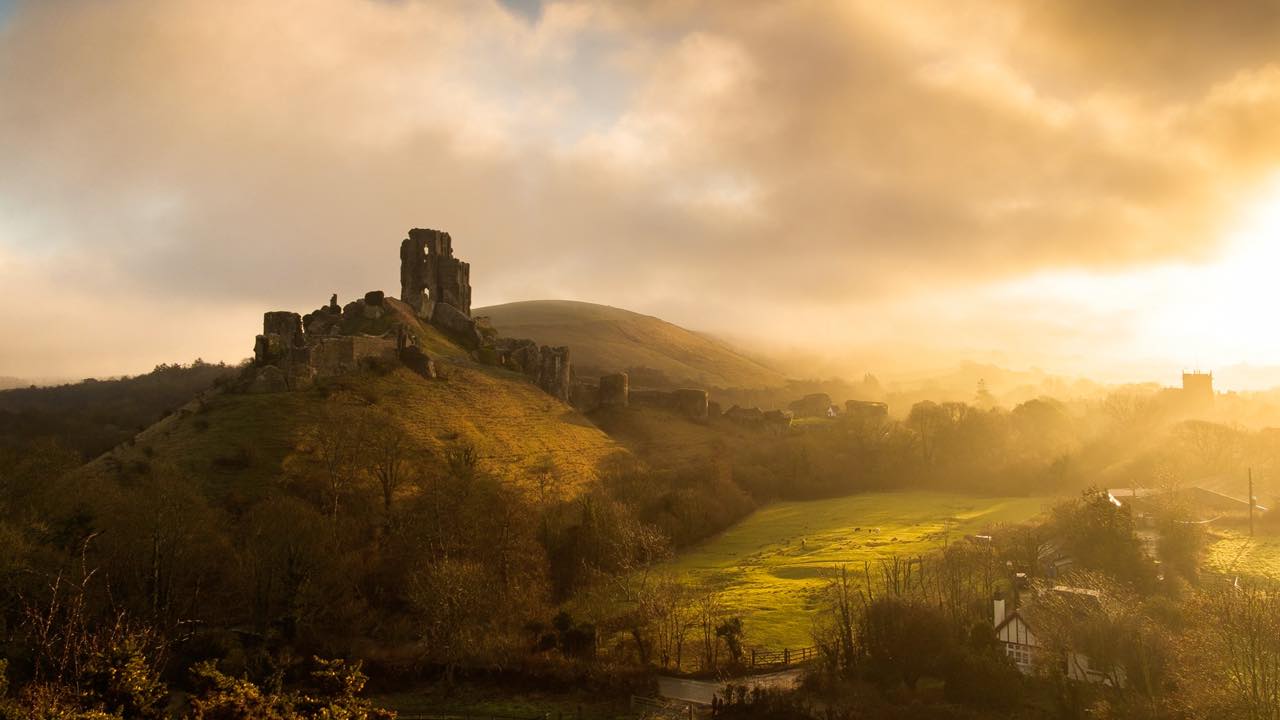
(606, 339)
(245, 440)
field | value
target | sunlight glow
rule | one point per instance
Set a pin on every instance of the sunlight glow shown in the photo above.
(1201, 315)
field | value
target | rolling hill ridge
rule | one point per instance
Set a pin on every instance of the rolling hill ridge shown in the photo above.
(606, 339)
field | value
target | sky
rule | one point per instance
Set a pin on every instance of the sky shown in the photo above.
(1084, 186)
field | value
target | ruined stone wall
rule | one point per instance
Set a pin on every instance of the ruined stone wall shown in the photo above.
(413, 270)
(339, 355)
(429, 273)
(292, 351)
(519, 355)
(691, 402)
(281, 337)
(555, 372)
(615, 390)
(584, 397)
(286, 325)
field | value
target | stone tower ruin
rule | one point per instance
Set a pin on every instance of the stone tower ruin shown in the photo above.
(429, 273)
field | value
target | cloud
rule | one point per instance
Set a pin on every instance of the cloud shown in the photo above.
(730, 166)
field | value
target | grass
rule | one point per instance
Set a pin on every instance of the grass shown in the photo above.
(770, 565)
(238, 444)
(611, 339)
(1233, 552)
(667, 439)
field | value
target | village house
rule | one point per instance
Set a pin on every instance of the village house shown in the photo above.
(1025, 649)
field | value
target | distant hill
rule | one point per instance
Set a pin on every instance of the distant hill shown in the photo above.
(92, 416)
(606, 339)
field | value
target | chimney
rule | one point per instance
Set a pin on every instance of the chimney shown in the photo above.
(998, 614)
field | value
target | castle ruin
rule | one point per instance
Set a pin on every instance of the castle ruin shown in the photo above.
(430, 274)
(295, 350)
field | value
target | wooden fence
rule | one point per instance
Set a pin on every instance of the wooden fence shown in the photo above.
(782, 658)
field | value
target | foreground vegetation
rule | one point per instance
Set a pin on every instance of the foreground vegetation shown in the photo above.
(471, 528)
(91, 417)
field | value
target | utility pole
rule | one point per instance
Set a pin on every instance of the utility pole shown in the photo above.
(1250, 502)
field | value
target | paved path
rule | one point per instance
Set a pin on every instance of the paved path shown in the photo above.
(701, 691)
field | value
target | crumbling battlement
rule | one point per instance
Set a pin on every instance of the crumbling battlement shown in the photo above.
(293, 352)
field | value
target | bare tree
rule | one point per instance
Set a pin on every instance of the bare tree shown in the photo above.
(835, 630)
(1231, 657)
(710, 612)
(388, 454)
(339, 439)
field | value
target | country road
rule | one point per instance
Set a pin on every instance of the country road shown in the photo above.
(701, 691)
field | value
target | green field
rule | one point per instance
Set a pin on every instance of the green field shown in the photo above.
(1235, 553)
(771, 564)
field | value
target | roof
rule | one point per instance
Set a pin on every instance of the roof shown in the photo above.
(1010, 618)
(1196, 494)
(1094, 595)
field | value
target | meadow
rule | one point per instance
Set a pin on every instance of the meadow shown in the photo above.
(770, 565)
(1233, 552)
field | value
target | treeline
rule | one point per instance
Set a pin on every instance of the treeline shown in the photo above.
(92, 416)
(1039, 447)
(1036, 448)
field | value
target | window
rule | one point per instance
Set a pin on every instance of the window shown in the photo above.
(1020, 653)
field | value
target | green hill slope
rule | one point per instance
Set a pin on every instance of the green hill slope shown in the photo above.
(608, 339)
(239, 442)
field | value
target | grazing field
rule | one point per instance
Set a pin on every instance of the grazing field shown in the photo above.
(1233, 552)
(770, 565)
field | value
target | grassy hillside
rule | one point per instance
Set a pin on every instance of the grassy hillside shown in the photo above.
(667, 439)
(609, 339)
(770, 565)
(241, 442)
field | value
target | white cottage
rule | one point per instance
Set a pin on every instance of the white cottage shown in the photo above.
(1022, 646)
(1019, 644)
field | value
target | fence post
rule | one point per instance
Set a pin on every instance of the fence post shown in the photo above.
(753, 657)
(786, 656)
